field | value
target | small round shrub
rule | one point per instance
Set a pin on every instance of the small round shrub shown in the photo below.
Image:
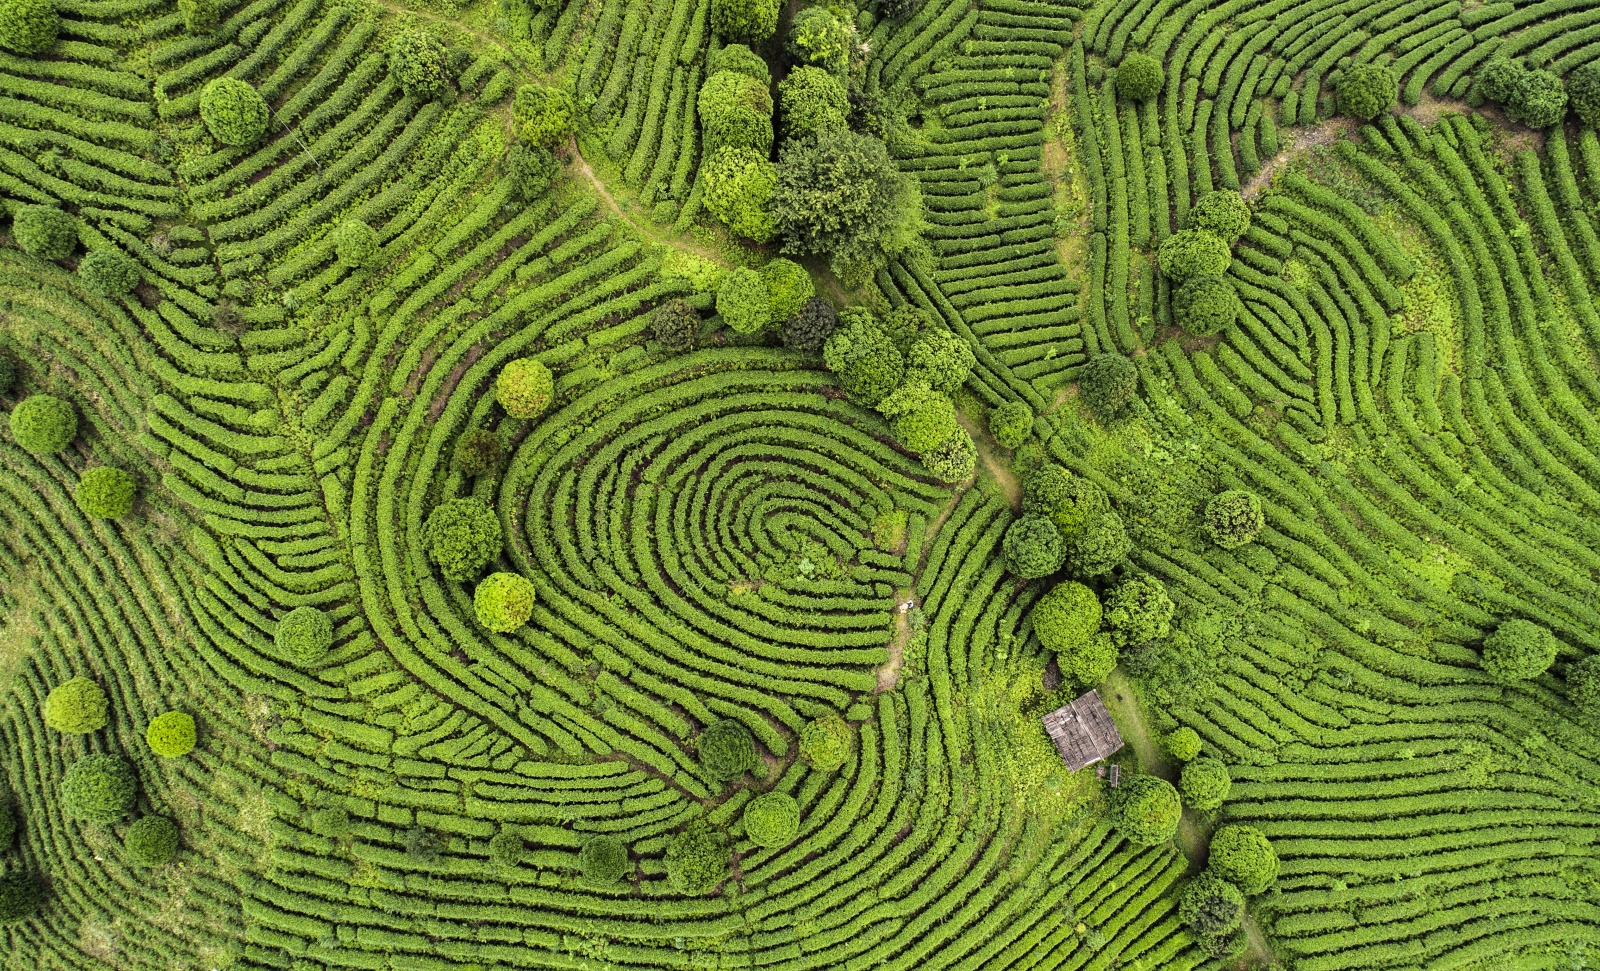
(503, 601)
(99, 789)
(744, 20)
(1211, 906)
(43, 424)
(109, 272)
(1033, 547)
(788, 285)
(1191, 252)
(735, 112)
(772, 819)
(1233, 518)
(104, 492)
(743, 302)
(532, 170)
(739, 58)
(543, 115)
(421, 845)
(171, 734)
(1498, 79)
(1090, 662)
(603, 860)
(1138, 610)
(697, 859)
(809, 329)
(1206, 304)
(811, 100)
(151, 841)
(1139, 77)
(676, 324)
(1011, 423)
(726, 750)
(463, 537)
(1518, 650)
(1183, 743)
(28, 26)
(507, 849)
(926, 426)
(940, 358)
(1367, 91)
(1583, 88)
(1146, 810)
(20, 896)
(418, 63)
(954, 459)
(1223, 212)
(1244, 857)
(77, 707)
(1067, 617)
(1583, 685)
(45, 231)
(477, 452)
(1205, 783)
(826, 743)
(304, 635)
(234, 112)
(524, 388)
(738, 182)
(1108, 383)
(355, 244)
(199, 16)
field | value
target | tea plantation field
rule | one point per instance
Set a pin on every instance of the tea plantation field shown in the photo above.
(609, 485)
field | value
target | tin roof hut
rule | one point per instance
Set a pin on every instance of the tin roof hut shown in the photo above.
(1083, 731)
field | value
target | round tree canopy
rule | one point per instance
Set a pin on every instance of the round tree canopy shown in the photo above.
(1221, 211)
(43, 424)
(1191, 252)
(1244, 857)
(524, 388)
(151, 841)
(1109, 383)
(603, 860)
(1011, 423)
(1183, 743)
(772, 820)
(743, 302)
(1519, 650)
(76, 707)
(304, 635)
(463, 537)
(234, 112)
(99, 789)
(1066, 618)
(1033, 547)
(109, 272)
(1146, 810)
(826, 743)
(1139, 77)
(726, 750)
(105, 493)
(171, 734)
(504, 601)
(1205, 783)
(1234, 518)
(1367, 91)
(28, 26)
(697, 859)
(45, 231)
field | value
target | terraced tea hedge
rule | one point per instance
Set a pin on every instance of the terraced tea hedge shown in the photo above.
(719, 535)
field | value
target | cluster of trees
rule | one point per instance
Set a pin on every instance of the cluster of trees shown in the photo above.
(49, 233)
(1242, 864)
(102, 787)
(1538, 98)
(45, 424)
(1197, 257)
(905, 366)
(834, 190)
(1067, 522)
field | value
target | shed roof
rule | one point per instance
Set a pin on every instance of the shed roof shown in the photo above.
(1083, 731)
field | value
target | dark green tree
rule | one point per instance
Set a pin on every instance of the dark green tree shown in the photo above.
(99, 789)
(1583, 88)
(1211, 906)
(810, 329)
(151, 841)
(603, 861)
(1098, 546)
(532, 169)
(726, 750)
(1233, 518)
(478, 451)
(1244, 857)
(1011, 423)
(1138, 610)
(1206, 305)
(1367, 91)
(1519, 650)
(109, 272)
(233, 111)
(45, 231)
(1145, 809)
(675, 324)
(20, 896)
(463, 536)
(697, 859)
(1109, 383)
(1033, 547)
(1221, 211)
(1583, 685)
(304, 635)
(1139, 77)
(418, 63)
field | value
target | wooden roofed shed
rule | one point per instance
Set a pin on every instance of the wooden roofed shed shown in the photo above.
(1083, 731)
